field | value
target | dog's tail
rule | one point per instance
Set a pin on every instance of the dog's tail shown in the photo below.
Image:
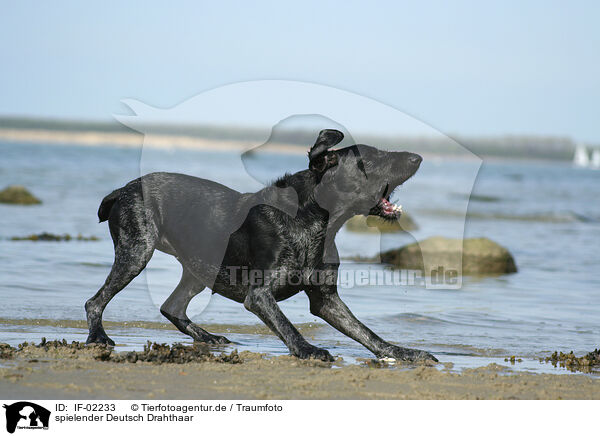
(107, 204)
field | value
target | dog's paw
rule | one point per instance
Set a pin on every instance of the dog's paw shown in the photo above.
(200, 335)
(99, 337)
(216, 339)
(207, 338)
(312, 352)
(211, 339)
(407, 354)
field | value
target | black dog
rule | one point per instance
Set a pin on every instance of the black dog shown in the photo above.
(258, 248)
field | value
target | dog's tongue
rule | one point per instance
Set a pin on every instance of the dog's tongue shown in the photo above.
(389, 207)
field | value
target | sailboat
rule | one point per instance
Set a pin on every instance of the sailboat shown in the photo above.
(581, 158)
(595, 163)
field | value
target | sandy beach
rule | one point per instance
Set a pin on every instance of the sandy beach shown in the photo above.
(78, 372)
(137, 140)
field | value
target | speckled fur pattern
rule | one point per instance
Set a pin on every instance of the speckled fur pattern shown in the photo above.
(284, 231)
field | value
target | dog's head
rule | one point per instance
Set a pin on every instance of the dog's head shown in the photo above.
(359, 178)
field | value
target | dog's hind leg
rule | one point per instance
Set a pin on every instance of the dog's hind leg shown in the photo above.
(134, 237)
(329, 306)
(175, 307)
(125, 268)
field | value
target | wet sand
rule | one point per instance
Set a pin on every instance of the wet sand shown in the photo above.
(68, 372)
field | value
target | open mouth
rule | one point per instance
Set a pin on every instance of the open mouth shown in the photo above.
(385, 208)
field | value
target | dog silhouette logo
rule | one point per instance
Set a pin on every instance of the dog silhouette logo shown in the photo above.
(26, 415)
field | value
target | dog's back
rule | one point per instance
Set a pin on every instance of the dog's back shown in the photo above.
(182, 210)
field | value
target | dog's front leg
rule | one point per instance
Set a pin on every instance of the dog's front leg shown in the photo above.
(327, 304)
(261, 302)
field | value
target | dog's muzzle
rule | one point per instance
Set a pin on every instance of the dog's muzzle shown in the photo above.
(385, 208)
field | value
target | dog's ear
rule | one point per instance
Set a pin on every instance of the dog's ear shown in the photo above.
(327, 138)
(317, 156)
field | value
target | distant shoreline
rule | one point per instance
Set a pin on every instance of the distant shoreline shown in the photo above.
(237, 138)
(165, 142)
(137, 140)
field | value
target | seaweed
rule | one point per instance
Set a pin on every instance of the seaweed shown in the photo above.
(177, 353)
(51, 237)
(588, 363)
(153, 352)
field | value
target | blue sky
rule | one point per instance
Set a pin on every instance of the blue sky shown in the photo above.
(474, 68)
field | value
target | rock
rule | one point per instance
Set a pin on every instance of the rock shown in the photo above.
(16, 194)
(375, 224)
(6, 351)
(479, 256)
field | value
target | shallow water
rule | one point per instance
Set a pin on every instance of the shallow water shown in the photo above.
(547, 214)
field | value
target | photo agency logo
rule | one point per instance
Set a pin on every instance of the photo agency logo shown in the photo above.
(270, 128)
(25, 415)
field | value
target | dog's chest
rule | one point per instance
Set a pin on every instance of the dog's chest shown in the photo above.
(306, 246)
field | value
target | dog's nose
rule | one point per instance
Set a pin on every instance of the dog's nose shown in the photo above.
(415, 159)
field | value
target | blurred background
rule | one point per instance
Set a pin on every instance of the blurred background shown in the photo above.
(501, 99)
